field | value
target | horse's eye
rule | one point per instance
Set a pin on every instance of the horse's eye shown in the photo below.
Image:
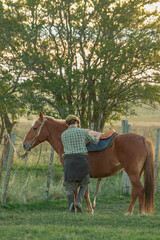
(34, 128)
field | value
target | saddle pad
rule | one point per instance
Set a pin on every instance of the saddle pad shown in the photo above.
(108, 134)
(101, 145)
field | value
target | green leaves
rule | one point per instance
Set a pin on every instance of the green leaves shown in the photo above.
(90, 58)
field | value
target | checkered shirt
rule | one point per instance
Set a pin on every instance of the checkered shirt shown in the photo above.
(74, 140)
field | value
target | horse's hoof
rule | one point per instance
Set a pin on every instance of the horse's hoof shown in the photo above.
(91, 211)
(127, 214)
(93, 206)
(142, 214)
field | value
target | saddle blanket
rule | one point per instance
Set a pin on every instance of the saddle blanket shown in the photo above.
(101, 145)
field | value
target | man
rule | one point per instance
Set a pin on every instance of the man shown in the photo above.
(76, 168)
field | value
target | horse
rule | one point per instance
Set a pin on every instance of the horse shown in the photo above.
(129, 151)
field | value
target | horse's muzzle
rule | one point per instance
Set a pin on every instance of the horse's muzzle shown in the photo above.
(27, 146)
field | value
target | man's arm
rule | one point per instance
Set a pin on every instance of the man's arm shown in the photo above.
(92, 139)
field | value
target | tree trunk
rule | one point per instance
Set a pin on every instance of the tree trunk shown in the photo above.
(5, 151)
(2, 128)
(8, 126)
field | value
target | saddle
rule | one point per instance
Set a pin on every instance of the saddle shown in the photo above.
(103, 135)
(105, 140)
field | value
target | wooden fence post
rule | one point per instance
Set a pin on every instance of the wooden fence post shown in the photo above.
(156, 159)
(92, 126)
(126, 181)
(26, 159)
(9, 165)
(49, 174)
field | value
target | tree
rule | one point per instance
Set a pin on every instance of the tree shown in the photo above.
(97, 59)
(11, 105)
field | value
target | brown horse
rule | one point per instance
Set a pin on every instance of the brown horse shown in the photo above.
(129, 151)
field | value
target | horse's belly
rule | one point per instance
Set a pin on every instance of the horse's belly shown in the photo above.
(103, 164)
(106, 172)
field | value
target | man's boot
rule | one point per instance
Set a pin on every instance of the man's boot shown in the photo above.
(71, 203)
(78, 203)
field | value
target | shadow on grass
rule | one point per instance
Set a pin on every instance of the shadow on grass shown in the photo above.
(37, 206)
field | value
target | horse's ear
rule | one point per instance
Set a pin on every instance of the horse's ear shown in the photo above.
(41, 116)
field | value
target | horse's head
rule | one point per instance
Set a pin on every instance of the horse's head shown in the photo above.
(38, 133)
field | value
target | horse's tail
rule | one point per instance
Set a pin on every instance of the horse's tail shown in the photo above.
(149, 178)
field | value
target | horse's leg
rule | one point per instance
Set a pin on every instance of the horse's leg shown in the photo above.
(88, 202)
(76, 192)
(94, 201)
(137, 191)
(133, 201)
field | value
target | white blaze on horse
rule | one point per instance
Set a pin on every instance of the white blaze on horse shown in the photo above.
(128, 151)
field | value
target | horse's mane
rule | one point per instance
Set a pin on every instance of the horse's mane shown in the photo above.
(61, 121)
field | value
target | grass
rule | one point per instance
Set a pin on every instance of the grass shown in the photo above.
(51, 220)
(27, 216)
(30, 184)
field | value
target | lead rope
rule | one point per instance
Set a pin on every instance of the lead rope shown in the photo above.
(32, 142)
(20, 155)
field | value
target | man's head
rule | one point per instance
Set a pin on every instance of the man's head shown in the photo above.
(72, 119)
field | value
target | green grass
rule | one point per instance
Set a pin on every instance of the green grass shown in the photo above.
(30, 184)
(51, 220)
(27, 216)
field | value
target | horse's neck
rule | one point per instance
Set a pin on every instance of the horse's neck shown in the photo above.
(55, 129)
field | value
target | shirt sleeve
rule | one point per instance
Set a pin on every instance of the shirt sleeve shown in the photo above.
(90, 138)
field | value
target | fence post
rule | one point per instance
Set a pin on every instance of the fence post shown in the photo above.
(126, 181)
(156, 159)
(8, 169)
(49, 174)
(92, 126)
(26, 159)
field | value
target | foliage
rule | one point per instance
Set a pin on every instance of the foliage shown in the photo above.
(11, 105)
(94, 58)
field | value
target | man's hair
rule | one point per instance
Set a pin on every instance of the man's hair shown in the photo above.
(72, 119)
(71, 122)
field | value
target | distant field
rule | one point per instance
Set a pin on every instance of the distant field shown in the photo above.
(147, 115)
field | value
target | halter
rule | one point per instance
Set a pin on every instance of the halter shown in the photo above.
(37, 133)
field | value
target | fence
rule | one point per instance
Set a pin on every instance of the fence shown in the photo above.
(125, 127)
(126, 182)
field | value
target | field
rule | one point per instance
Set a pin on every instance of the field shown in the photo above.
(27, 216)
(51, 220)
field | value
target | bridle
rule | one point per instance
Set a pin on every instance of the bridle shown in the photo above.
(37, 133)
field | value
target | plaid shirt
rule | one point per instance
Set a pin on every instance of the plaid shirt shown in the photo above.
(74, 140)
